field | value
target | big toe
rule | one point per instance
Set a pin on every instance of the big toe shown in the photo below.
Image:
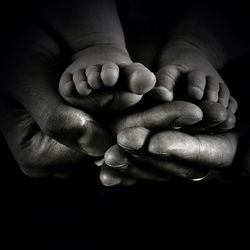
(139, 79)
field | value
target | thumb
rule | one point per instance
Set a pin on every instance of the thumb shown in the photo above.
(35, 87)
(37, 154)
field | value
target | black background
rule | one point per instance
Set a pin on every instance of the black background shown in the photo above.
(74, 214)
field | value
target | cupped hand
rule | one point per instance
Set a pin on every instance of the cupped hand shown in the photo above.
(145, 150)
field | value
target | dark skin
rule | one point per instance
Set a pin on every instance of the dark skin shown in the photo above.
(44, 132)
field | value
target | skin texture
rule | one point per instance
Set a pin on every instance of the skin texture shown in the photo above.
(143, 153)
(46, 135)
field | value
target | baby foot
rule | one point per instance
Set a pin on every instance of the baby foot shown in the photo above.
(98, 69)
(203, 82)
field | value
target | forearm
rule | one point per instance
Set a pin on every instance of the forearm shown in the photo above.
(82, 24)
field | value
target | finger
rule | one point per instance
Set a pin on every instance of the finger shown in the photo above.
(166, 79)
(212, 89)
(133, 140)
(109, 177)
(204, 150)
(224, 94)
(232, 105)
(164, 116)
(173, 168)
(196, 84)
(93, 76)
(119, 160)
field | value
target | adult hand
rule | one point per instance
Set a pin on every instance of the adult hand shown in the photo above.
(46, 135)
(142, 154)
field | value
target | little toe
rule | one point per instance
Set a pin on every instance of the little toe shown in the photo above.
(66, 85)
(232, 105)
(228, 124)
(196, 84)
(93, 76)
(224, 94)
(212, 89)
(139, 79)
(81, 84)
(109, 74)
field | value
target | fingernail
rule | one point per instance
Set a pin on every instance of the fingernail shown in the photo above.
(94, 141)
(115, 161)
(186, 120)
(108, 180)
(119, 166)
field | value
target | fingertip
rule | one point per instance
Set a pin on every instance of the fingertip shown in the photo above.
(133, 139)
(190, 114)
(115, 157)
(109, 178)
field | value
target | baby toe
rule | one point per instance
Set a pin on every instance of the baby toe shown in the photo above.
(138, 78)
(93, 76)
(109, 74)
(166, 79)
(160, 93)
(66, 85)
(196, 84)
(232, 105)
(81, 83)
(212, 89)
(224, 94)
